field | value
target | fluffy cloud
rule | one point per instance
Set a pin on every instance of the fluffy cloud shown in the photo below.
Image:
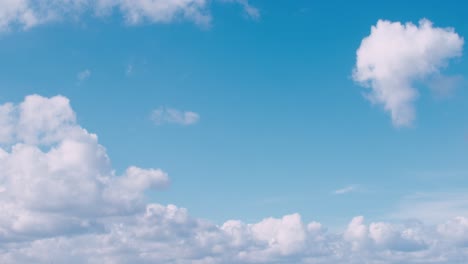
(29, 13)
(396, 55)
(170, 115)
(62, 202)
(55, 176)
(455, 230)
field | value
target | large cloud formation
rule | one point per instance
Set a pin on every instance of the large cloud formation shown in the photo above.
(26, 14)
(62, 202)
(394, 56)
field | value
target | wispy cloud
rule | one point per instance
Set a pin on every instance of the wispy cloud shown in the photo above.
(432, 207)
(83, 75)
(249, 10)
(26, 14)
(129, 69)
(347, 189)
(164, 115)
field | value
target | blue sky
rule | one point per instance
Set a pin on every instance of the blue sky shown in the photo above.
(282, 126)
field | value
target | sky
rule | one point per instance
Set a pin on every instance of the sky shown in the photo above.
(233, 131)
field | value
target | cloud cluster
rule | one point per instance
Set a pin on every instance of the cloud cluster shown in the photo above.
(54, 176)
(26, 14)
(62, 202)
(164, 115)
(395, 55)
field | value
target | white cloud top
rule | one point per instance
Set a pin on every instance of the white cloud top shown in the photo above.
(396, 55)
(26, 14)
(61, 202)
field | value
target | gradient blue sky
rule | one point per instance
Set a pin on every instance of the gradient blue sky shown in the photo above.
(282, 123)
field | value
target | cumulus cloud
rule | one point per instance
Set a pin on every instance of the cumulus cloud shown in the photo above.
(394, 56)
(62, 202)
(56, 178)
(26, 14)
(164, 115)
(380, 235)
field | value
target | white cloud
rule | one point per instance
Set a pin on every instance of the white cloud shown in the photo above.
(161, 11)
(25, 14)
(16, 12)
(347, 189)
(62, 202)
(409, 237)
(396, 55)
(455, 231)
(164, 115)
(55, 176)
(83, 75)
